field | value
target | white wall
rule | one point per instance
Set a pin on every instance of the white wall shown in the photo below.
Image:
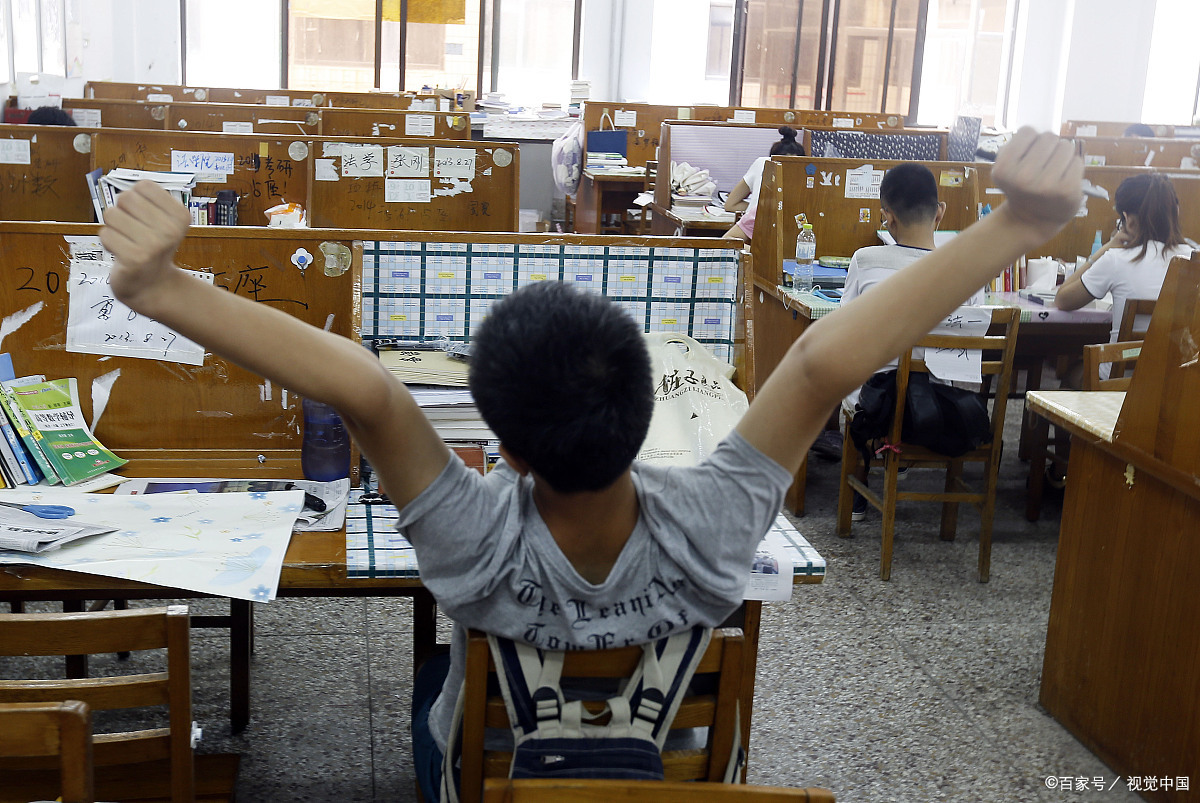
(1110, 54)
(131, 40)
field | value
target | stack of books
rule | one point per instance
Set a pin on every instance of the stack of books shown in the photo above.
(601, 160)
(453, 414)
(693, 203)
(105, 187)
(580, 90)
(43, 437)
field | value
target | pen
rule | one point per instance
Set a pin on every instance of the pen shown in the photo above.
(310, 501)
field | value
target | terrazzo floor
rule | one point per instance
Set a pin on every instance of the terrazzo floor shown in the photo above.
(923, 688)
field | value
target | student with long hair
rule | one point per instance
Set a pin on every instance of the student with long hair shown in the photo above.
(1133, 263)
(744, 196)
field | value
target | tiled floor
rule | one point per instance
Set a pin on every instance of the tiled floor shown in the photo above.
(919, 689)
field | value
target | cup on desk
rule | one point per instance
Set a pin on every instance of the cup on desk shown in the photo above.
(1043, 275)
(325, 450)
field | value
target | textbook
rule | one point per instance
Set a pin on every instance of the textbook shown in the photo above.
(20, 425)
(53, 414)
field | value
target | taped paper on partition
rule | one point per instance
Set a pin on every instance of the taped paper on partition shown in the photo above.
(624, 119)
(454, 163)
(325, 170)
(959, 365)
(14, 151)
(202, 163)
(97, 323)
(744, 115)
(863, 182)
(405, 162)
(228, 127)
(86, 118)
(406, 190)
(418, 125)
(362, 160)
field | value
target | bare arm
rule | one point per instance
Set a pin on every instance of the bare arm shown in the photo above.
(1073, 294)
(1041, 177)
(736, 200)
(143, 233)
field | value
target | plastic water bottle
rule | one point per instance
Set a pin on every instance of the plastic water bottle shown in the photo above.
(325, 450)
(1097, 243)
(806, 255)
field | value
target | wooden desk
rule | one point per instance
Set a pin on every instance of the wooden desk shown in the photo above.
(676, 224)
(602, 194)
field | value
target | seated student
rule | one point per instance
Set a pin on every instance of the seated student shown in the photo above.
(911, 212)
(744, 196)
(50, 115)
(1139, 130)
(1133, 263)
(570, 543)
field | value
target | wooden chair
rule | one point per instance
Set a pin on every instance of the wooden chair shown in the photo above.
(997, 362)
(722, 666)
(1135, 320)
(555, 791)
(154, 764)
(62, 730)
(1122, 353)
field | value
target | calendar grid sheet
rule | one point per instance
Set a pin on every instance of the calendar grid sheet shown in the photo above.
(427, 291)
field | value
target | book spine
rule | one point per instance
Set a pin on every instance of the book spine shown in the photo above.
(12, 466)
(27, 465)
(28, 435)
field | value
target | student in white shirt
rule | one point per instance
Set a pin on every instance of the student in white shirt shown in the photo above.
(744, 196)
(1133, 263)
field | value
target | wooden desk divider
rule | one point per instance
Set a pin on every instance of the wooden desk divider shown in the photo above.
(911, 144)
(244, 118)
(269, 97)
(394, 123)
(263, 170)
(1164, 153)
(117, 113)
(51, 186)
(153, 93)
(1108, 128)
(1122, 661)
(164, 411)
(644, 130)
(488, 200)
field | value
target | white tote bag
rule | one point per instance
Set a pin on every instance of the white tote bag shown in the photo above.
(696, 403)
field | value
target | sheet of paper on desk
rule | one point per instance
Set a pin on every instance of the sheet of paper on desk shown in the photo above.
(333, 494)
(25, 532)
(228, 545)
(782, 556)
(959, 365)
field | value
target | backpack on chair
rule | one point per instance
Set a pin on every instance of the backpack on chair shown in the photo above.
(559, 738)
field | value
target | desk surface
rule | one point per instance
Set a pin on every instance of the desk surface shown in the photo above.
(1093, 412)
(1033, 312)
(601, 177)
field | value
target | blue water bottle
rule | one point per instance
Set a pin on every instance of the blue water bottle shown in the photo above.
(325, 451)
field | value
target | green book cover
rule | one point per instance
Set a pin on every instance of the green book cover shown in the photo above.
(56, 421)
(21, 424)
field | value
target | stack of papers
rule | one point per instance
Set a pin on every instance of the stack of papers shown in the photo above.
(453, 414)
(25, 532)
(425, 367)
(105, 188)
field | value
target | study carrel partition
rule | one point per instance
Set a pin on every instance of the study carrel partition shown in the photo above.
(1108, 128)
(126, 90)
(1122, 659)
(117, 113)
(394, 123)
(1162, 153)
(42, 173)
(243, 118)
(645, 120)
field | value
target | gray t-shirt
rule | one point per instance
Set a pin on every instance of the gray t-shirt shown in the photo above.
(490, 561)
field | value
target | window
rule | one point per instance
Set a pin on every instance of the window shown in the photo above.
(529, 54)
(5, 72)
(720, 39)
(54, 57)
(244, 54)
(443, 45)
(966, 60)
(1173, 74)
(25, 37)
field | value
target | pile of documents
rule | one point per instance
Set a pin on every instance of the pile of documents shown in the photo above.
(105, 188)
(425, 366)
(453, 414)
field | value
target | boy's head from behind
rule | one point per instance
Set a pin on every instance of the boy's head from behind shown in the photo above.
(909, 194)
(562, 376)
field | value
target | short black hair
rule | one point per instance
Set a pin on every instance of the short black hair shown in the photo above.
(50, 115)
(910, 192)
(562, 376)
(1139, 130)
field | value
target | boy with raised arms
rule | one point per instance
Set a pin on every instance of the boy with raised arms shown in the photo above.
(570, 543)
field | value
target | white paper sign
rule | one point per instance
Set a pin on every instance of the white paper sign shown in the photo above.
(278, 100)
(422, 105)
(624, 119)
(97, 323)
(454, 163)
(744, 115)
(406, 190)
(302, 102)
(237, 128)
(418, 125)
(201, 162)
(863, 182)
(326, 170)
(331, 149)
(959, 365)
(362, 160)
(159, 97)
(1085, 130)
(14, 151)
(86, 118)
(843, 122)
(405, 162)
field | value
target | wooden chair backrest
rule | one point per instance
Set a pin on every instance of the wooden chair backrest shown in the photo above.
(999, 346)
(1159, 417)
(1075, 239)
(644, 135)
(292, 121)
(1135, 319)
(51, 186)
(723, 661)
(59, 729)
(842, 225)
(109, 632)
(529, 790)
(1164, 153)
(1120, 355)
(394, 123)
(123, 113)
